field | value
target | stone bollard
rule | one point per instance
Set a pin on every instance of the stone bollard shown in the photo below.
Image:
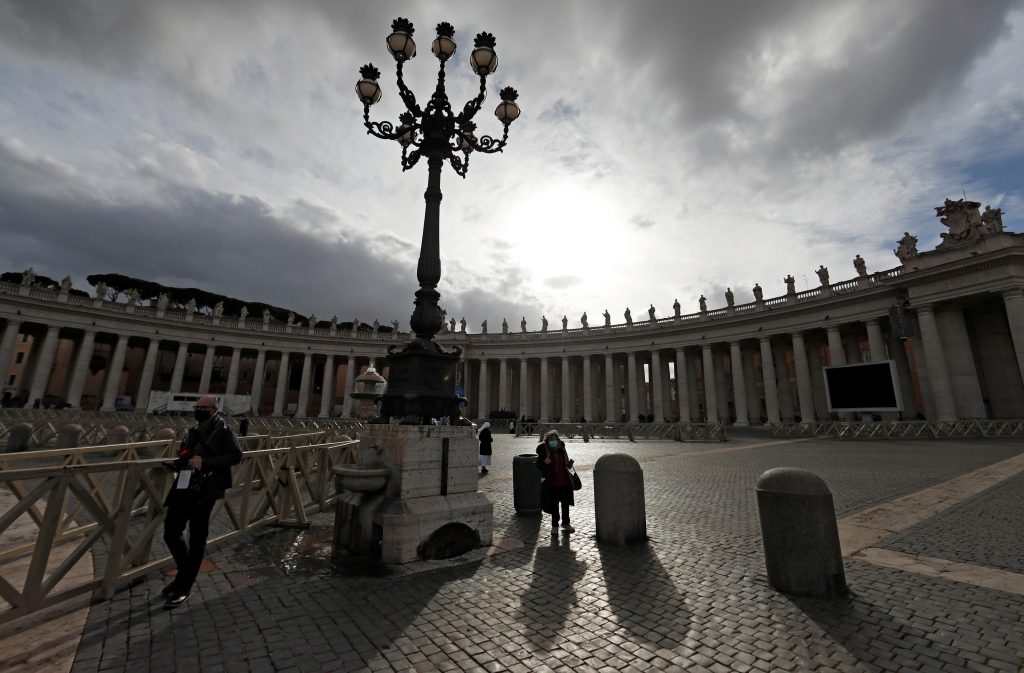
(69, 436)
(526, 483)
(165, 433)
(619, 508)
(800, 535)
(117, 435)
(18, 437)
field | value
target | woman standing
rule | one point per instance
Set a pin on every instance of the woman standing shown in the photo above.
(556, 487)
(484, 435)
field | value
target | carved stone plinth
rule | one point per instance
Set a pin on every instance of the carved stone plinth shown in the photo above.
(432, 483)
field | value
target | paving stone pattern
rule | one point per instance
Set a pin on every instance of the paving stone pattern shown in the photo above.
(987, 529)
(694, 599)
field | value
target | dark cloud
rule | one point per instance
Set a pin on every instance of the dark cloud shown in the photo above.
(562, 282)
(641, 222)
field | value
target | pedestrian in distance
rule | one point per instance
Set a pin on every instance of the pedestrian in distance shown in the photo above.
(483, 434)
(556, 481)
(203, 473)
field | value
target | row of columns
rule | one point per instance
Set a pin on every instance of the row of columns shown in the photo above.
(748, 392)
(41, 361)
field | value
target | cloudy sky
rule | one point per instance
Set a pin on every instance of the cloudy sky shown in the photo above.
(665, 150)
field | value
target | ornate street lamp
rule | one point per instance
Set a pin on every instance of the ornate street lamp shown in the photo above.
(421, 385)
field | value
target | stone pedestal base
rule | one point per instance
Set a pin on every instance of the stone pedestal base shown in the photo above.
(430, 506)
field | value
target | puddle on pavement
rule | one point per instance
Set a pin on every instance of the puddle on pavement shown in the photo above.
(306, 553)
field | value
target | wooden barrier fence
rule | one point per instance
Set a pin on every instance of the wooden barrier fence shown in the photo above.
(61, 510)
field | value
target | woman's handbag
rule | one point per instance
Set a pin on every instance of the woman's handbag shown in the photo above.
(577, 484)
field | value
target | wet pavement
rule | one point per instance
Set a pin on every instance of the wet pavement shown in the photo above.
(694, 598)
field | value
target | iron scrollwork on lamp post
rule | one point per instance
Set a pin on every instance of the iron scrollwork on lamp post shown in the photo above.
(421, 385)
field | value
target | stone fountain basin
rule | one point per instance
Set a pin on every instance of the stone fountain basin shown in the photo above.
(360, 478)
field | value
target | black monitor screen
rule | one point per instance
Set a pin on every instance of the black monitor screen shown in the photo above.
(869, 386)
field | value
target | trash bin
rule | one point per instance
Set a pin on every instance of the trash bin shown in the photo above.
(526, 483)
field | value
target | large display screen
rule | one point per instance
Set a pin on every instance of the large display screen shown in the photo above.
(866, 386)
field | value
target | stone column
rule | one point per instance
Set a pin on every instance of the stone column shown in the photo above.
(179, 368)
(721, 387)
(588, 391)
(787, 408)
(304, 385)
(963, 375)
(524, 388)
(256, 392)
(898, 353)
(114, 370)
(657, 398)
(817, 365)
(44, 365)
(682, 387)
(876, 346)
(804, 390)
(78, 374)
(7, 345)
(567, 392)
(938, 374)
(545, 391)
(1014, 302)
(771, 391)
(204, 378)
(467, 387)
(280, 392)
(146, 380)
(836, 354)
(739, 383)
(483, 405)
(236, 358)
(710, 391)
(327, 388)
(754, 412)
(610, 398)
(503, 403)
(350, 377)
(631, 387)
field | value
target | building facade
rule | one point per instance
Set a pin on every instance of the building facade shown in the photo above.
(952, 320)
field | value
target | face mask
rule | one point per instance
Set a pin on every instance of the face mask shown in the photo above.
(201, 415)
(553, 443)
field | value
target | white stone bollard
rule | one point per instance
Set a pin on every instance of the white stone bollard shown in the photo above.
(619, 508)
(19, 437)
(118, 435)
(69, 436)
(800, 535)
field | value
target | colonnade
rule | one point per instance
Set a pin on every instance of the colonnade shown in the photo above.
(164, 366)
(953, 365)
(961, 358)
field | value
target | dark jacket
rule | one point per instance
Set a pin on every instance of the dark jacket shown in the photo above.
(485, 441)
(549, 496)
(218, 447)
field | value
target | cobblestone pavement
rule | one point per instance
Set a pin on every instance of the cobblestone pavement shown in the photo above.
(695, 598)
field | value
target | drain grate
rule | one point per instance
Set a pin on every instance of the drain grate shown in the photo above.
(248, 578)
